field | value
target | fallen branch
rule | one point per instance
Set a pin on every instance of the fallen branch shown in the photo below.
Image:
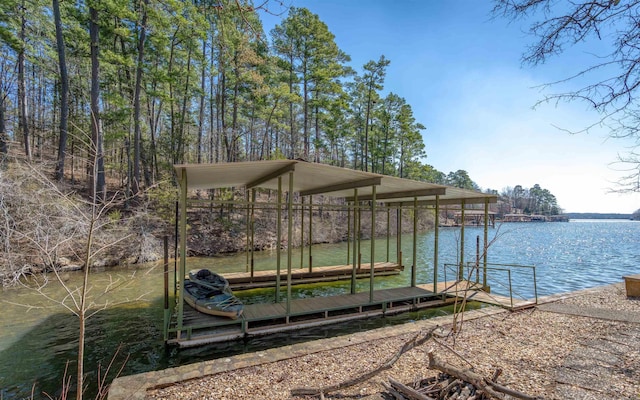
(410, 344)
(408, 392)
(487, 386)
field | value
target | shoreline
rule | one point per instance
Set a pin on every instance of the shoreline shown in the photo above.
(538, 350)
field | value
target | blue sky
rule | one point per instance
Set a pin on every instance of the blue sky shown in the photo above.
(459, 68)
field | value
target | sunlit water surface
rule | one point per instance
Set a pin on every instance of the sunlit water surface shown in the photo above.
(39, 337)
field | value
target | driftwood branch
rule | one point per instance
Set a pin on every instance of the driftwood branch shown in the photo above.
(487, 386)
(407, 391)
(415, 341)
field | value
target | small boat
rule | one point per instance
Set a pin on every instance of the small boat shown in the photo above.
(209, 293)
(208, 279)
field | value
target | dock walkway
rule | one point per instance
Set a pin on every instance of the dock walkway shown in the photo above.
(474, 292)
(266, 318)
(264, 279)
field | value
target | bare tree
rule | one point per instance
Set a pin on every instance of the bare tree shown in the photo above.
(610, 84)
(90, 219)
(41, 223)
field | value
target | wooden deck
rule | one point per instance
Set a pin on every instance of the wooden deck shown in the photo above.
(261, 319)
(263, 279)
(473, 291)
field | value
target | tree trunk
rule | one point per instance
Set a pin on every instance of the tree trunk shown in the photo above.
(234, 111)
(97, 179)
(317, 131)
(384, 152)
(222, 83)
(153, 128)
(213, 133)
(181, 138)
(137, 136)
(263, 155)
(202, 91)
(366, 132)
(291, 117)
(172, 117)
(3, 133)
(4, 138)
(64, 93)
(305, 109)
(22, 87)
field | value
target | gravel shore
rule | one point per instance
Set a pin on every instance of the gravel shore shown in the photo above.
(554, 355)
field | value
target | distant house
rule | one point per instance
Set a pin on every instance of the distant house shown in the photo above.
(516, 218)
(534, 218)
(474, 218)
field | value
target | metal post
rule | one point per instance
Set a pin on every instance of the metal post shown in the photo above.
(310, 232)
(399, 236)
(388, 230)
(415, 241)
(183, 247)
(301, 232)
(289, 241)
(486, 243)
(279, 239)
(359, 234)
(373, 243)
(477, 266)
(165, 266)
(535, 284)
(253, 227)
(461, 266)
(510, 287)
(247, 219)
(348, 233)
(355, 240)
(175, 251)
(436, 238)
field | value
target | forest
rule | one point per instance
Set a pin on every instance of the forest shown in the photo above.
(122, 90)
(140, 86)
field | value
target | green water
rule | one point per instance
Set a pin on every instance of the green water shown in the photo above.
(38, 337)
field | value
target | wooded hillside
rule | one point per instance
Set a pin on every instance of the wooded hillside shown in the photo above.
(139, 86)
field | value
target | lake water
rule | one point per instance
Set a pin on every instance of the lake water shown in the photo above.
(38, 337)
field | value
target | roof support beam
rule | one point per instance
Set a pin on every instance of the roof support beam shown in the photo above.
(410, 193)
(279, 172)
(342, 186)
(468, 200)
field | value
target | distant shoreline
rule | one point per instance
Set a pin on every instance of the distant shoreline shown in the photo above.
(597, 216)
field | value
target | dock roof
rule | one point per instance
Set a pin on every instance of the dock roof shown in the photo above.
(313, 178)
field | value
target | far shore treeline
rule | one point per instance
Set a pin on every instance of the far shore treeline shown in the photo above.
(602, 215)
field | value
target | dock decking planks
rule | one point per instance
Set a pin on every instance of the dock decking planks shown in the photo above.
(267, 278)
(347, 306)
(473, 291)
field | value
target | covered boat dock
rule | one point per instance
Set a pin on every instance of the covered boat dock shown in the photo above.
(357, 192)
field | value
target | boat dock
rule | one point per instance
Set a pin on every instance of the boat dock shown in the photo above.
(265, 279)
(357, 193)
(266, 318)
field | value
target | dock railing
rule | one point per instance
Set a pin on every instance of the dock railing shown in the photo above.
(500, 275)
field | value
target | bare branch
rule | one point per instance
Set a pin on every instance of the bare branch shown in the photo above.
(615, 24)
